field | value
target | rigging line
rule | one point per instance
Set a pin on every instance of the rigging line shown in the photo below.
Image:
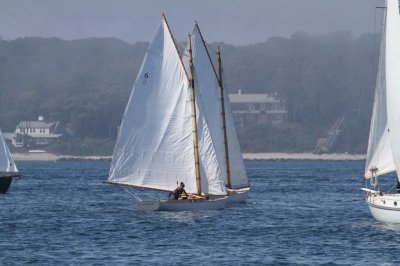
(148, 195)
(392, 188)
(181, 46)
(132, 194)
(138, 195)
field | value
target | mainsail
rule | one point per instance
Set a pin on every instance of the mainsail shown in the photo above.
(7, 165)
(393, 78)
(154, 148)
(379, 156)
(209, 92)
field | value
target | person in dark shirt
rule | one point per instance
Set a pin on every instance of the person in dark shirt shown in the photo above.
(177, 193)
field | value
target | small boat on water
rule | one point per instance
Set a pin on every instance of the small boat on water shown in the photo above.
(8, 169)
(383, 156)
(210, 88)
(165, 138)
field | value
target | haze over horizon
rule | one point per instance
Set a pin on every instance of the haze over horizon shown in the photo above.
(235, 22)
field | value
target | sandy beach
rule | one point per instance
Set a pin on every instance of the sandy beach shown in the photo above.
(247, 156)
(304, 156)
(54, 157)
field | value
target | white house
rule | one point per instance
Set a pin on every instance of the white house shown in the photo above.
(257, 108)
(38, 133)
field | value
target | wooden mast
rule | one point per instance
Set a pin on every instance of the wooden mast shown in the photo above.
(221, 88)
(193, 100)
(176, 47)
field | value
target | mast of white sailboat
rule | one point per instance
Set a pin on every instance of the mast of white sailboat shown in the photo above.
(193, 100)
(221, 88)
(176, 47)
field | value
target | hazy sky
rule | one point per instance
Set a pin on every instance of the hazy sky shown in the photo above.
(231, 21)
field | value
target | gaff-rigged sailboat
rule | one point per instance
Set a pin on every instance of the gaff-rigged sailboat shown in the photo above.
(383, 154)
(164, 137)
(210, 88)
(8, 169)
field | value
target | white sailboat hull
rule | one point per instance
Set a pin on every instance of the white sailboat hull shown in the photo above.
(237, 195)
(384, 208)
(182, 205)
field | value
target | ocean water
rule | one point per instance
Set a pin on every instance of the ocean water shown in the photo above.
(298, 213)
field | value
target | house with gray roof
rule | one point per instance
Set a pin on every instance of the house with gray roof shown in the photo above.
(35, 133)
(257, 109)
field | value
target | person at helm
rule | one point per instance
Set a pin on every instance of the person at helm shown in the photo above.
(177, 193)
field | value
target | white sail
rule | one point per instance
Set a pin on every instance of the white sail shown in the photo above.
(379, 155)
(154, 148)
(212, 174)
(393, 78)
(7, 164)
(208, 88)
(209, 110)
(238, 170)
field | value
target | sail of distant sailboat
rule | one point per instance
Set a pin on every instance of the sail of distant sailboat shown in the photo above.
(383, 154)
(8, 169)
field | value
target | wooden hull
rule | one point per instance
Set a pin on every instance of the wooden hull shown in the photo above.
(237, 195)
(5, 183)
(181, 205)
(384, 208)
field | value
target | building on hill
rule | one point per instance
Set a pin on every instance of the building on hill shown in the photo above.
(257, 109)
(35, 133)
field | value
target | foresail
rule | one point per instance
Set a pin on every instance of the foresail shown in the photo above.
(212, 174)
(7, 163)
(211, 141)
(379, 156)
(154, 148)
(208, 86)
(393, 78)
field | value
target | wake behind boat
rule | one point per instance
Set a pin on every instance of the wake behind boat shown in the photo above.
(8, 169)
(383, 154)
(164, 137)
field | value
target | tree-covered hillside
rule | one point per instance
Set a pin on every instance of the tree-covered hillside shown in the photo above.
(86, 83)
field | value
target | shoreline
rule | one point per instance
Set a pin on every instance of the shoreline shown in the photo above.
(45, 156)
(304, 156)
(247, 156)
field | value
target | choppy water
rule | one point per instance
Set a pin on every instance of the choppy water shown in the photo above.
(305, 213)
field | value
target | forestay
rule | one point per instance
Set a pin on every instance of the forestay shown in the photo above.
(379, 155)
(393, 78)
(7, 164)
(154, 148)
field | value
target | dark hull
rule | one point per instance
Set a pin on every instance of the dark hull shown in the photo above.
(5, 183)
